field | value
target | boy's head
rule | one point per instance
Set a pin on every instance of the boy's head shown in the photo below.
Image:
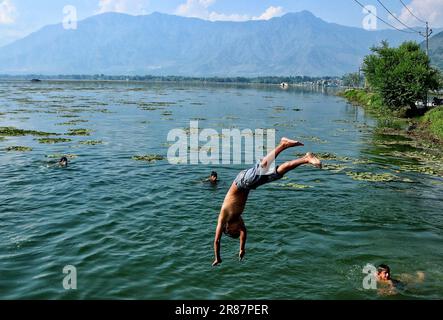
(213, 177)
(233, 228)
(63, 162)
(383, 272)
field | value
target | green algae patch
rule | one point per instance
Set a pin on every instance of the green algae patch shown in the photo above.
(421, 169)
(279, 109)
(72, 122)
(91, 142)
(372, 177)
(53, 140)
(314, 139)
(79, 132)
(14, 132)
(294, 186)
(18, 149)
(148, 158)
(336, 168)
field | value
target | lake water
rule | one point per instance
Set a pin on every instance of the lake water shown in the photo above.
(138, 230)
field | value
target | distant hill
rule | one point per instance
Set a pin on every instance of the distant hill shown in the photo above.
(436, 50)
(160, 44)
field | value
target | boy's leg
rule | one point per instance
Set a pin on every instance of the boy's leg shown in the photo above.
(309, 158)
(285, 143)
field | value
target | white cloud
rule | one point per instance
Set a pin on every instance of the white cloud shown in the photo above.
(427, 10)
(7, 12)
(123, 6)
(201, 9)
(270, 13)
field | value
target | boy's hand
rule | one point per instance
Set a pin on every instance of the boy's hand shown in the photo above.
(241, 254)
(216, 262)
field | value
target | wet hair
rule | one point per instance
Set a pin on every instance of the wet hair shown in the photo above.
(64, 159)
(384, 267)
(233, 236)
(214, 174)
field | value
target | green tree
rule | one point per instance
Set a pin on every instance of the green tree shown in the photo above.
(352, 80)
(401, 76)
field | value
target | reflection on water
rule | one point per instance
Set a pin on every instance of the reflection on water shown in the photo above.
(145, 229)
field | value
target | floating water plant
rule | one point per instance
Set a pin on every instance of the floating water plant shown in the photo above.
(59, 155)
(148, 158)
(79, 132)
(294, 186)
(18, 149)
(91, 142)
(279, 109)
(53, 140)
(313, 139)
(421, 169)
(336, 168)
(69, 116)
(72, 122)
(372, 177)
(14, 132)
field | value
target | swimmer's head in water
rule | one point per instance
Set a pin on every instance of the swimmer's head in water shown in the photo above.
(384, 272)
(233, 228)
(63, 162)
(213, 177)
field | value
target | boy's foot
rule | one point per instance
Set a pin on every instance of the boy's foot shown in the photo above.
(312, 159)
(288, 143)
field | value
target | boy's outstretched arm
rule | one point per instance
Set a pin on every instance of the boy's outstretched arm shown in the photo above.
(243, 236)
(217, 242)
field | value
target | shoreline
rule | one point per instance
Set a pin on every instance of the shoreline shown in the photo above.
(419, 128)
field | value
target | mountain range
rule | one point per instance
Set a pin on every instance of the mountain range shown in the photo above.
(436, 50)
(160, 44)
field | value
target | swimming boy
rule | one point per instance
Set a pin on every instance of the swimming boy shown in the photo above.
(390, 285)
(213, 178)
(229, 220)
(63, 162)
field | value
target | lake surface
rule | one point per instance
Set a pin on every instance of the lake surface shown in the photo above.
(139, 230)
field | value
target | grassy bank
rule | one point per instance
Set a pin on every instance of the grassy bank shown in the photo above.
(428, 127)
(434, 120)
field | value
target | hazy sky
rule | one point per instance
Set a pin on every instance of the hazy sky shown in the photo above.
(21, 17)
